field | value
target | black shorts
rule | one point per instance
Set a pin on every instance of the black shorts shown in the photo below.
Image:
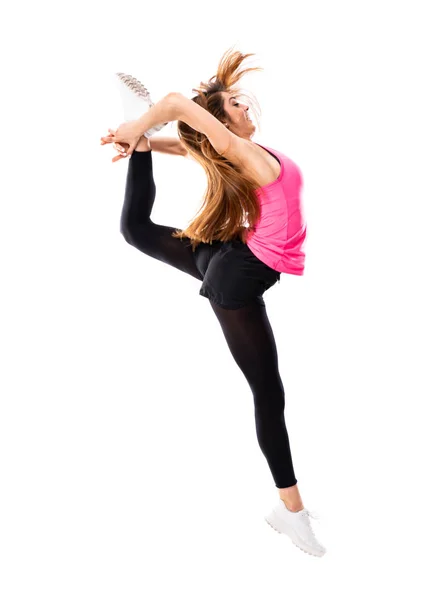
(232, 275)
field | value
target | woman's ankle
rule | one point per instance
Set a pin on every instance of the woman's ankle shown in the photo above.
(143, 145)
(293, 507)
(291, 498)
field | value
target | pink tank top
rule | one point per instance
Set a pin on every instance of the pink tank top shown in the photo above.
(278, 237)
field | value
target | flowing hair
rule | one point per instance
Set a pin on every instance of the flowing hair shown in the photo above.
(230, 200)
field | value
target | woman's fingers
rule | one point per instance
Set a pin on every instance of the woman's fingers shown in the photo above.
(110, 139)
(116, 145)
(119, 148)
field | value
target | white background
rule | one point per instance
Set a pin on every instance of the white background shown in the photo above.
(129, 461)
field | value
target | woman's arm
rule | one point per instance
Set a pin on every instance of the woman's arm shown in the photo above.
(163, 111)
(176, 107)
(168, 145)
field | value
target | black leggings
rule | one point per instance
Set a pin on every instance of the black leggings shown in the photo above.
(247, 330)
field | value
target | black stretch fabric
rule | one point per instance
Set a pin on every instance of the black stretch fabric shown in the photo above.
(234, 280)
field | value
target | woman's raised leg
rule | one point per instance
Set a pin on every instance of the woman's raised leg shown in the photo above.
(138, 229)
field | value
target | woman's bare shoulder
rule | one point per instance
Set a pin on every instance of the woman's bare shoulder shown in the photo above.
(255, 161)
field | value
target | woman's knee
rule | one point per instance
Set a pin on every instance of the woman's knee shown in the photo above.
(138, 235)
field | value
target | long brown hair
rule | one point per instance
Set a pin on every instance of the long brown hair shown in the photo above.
(230, 199)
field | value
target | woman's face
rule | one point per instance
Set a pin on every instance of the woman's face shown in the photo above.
(240, 124)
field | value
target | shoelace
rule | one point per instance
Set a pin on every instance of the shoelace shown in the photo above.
(305, 514)
(313, 514)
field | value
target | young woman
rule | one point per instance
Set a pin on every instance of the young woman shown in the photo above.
(249, 231)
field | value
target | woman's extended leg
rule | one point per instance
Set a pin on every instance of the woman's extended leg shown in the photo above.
(138, 229)
(250, 339)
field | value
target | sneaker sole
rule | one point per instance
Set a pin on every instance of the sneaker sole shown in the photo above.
(280, 526)
(135, 100)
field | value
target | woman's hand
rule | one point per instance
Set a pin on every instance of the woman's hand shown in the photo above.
(125, 135)
(121, 148)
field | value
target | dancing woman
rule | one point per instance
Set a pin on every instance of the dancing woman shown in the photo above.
(250, 230)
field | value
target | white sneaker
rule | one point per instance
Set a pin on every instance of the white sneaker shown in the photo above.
(136, 100)
(297, 526)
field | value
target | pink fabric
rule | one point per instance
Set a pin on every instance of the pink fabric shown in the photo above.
(279, 235)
